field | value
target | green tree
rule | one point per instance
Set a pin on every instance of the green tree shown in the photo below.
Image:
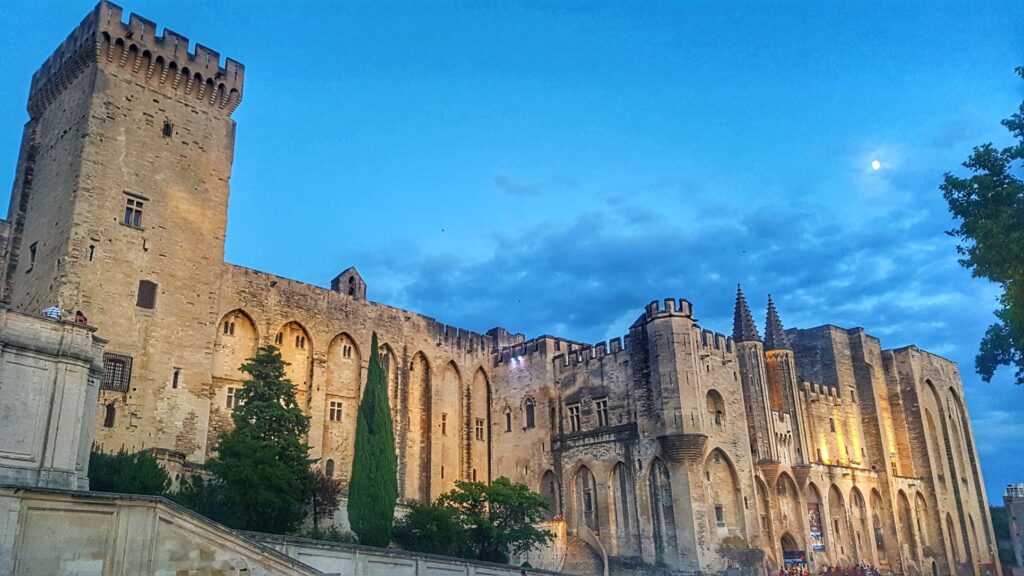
(500, 518)
(990, 207)
(262, 465)
(373, 488)
(125, 473)
(433, 529)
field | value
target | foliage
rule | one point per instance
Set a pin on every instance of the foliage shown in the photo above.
(990, 208)
(203, 496)
(433, 529)
(738, 552)
(125, 473)
(1000, 522)
(328, 534)
(499, 518)
(262, 465)
(373, 488)
(324, 498)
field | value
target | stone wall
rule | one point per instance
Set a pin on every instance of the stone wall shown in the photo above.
(49, 379)
(61, 532)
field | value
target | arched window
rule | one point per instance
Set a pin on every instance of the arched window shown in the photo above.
(529, 408)
(109, 416)
(329, 469)
(716, 407)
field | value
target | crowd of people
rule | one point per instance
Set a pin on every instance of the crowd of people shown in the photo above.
(834, 570)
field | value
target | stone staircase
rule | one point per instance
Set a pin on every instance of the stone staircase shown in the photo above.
(581, 559)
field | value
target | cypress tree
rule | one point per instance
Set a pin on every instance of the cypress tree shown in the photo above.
(373, 488)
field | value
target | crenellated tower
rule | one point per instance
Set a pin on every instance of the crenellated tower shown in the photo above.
(119, 210)
(750, 356)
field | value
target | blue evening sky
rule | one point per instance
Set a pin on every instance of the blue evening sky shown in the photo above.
(551, 167)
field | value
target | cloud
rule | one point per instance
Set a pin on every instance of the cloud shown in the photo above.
(514, 186)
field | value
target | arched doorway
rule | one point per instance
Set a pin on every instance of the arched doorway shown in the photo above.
(789, 543)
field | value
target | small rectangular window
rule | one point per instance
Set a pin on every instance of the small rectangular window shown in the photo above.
(147, 295)
(508, 421)
(719, 515)
(232, 398)
(444, 424)
(334, 411)
(832, 424)
(574, 418)
(133, 212)
(602, 412)
(117, 372)
(479, 428)
(474, 474)
(32, 253)
(176, 378)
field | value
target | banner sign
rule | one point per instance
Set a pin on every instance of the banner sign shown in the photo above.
(814, 521)
(794, 559)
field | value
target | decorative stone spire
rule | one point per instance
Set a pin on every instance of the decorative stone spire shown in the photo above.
(774, 334)
(743, 328)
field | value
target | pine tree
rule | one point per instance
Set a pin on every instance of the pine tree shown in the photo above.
(263, 464)
(373, 488)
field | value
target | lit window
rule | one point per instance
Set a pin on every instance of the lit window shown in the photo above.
(133, 212)
(574, 418)
(334, 411)
(479, 428)
(602, 412)
(232, 398)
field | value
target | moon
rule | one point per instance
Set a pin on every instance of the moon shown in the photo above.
(876, 165)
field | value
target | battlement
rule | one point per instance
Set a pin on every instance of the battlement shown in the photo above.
(671, 307)
(460, 338)
(160, 60)
(715, 341)
(819, 391)
(585, 354)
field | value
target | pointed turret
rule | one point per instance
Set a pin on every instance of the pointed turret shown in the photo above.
(774, 334)
(743, 327)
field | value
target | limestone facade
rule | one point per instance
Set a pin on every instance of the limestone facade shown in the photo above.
(50, 373)
(654, 447)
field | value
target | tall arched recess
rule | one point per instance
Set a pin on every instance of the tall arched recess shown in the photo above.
(478, 428)
(551, 490)
(341, 403)
(418, 437)
(448, 439)
(235, 343)
(626, 535)
(297, 350)
(659, 486)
